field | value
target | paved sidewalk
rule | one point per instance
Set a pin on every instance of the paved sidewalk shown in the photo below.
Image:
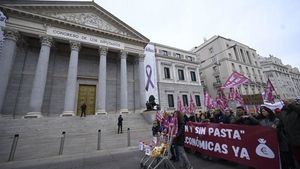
(125, 158)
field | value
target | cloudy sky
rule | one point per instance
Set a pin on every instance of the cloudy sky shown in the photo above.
(269, 26)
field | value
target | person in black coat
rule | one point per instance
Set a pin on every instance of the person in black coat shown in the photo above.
(291, 123)
(243, 118)
(120, 124)
(179, 142)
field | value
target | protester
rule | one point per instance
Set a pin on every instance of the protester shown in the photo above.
(155, 128)
(217, 116)
(291, 123)
(120, 124)
(197, 117)
(179, 142)
(286, 158)
(203, 117)
(192, 117)
(228, 116)
(242, 117)
(267, 117)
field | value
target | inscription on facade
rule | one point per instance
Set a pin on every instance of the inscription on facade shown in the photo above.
(70, 35)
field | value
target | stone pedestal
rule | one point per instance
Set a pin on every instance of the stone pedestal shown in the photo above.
(149, 116)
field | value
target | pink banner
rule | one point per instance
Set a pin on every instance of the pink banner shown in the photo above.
(235, 80)
(238, 97)
(269, 92)
(179, 105)
(254, 146)
(192, 107)
(232, 94)
(208, 102)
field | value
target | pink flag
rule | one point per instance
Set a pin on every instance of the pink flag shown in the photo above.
(159, 117)
(235, 80)
(238, 97)
(269, 92)
(208, 102)
(192, 107)
(173, 125)
(179, 105)
(222, 102)
(232, 94)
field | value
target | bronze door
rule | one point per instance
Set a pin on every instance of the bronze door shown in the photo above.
(87, 95)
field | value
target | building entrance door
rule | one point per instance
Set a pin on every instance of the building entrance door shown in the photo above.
(87, 95)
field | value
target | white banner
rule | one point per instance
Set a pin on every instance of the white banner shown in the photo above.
(80, 37)
(150, 73)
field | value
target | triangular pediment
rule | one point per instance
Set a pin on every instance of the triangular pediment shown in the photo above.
(87, 14)
(88, 19)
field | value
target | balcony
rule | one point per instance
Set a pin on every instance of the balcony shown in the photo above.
(217, 84)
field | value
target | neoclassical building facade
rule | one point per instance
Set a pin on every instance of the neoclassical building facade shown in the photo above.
(285, 79)
(220, 57)
(178, 76)
(59, 55)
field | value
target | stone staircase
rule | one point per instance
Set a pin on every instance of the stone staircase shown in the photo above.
(40, 138)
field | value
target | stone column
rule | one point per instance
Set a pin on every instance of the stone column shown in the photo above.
(69, 107)
(142, 80)
(101, 91)
(123, 73)
(40, 78)
(6, 61)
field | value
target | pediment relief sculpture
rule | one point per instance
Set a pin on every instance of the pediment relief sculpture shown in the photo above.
(88, 19)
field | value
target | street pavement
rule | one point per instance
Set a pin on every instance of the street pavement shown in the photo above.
(125, 158)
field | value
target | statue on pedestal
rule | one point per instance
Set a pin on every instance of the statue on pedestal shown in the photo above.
(151, 105)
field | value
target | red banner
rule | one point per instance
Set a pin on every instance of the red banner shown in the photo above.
(254, 146)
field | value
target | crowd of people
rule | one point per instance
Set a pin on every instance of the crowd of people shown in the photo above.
(286, 121)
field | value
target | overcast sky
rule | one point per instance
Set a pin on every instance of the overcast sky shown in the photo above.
(269, 26)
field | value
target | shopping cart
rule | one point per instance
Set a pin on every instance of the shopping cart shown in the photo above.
(156, 153)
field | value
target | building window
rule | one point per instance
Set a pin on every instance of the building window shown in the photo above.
(165, 53)
(255, 63)
(218, 80)
(243, 56)
(236, 54)
(170, 100)
(230, 56)
(190, 58)
(167, 72)
(233, 67)
(177, 55)
(247, 53)
(211, 50)
(247, 69)
(185, 100)
(198, 102)
(180, 74)
(193, 76)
